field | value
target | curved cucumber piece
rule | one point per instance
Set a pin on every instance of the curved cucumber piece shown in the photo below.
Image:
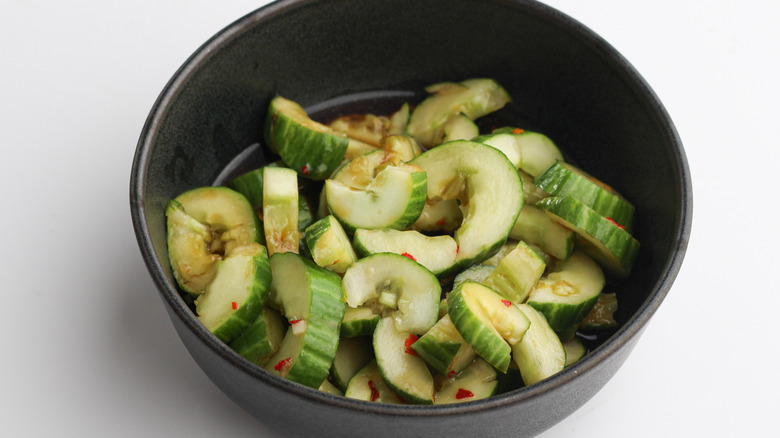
(368, 128)
(536, 227)
(369, 385)
(329, 245)
(351, 355)
(488, 187)
(505, 143)
(537, 151)
(444, 349)
(517, 273)
(358, 321)
(404, 146)
(613, 247)
(531, 192)
(602, 315)
(280, 210)
(404, 372)
(568, 293)
(237, 293)
(487, 321)
(540, 353)
(563, 179)
(477, 381)
(330, 388)
(472, 97)
(310, 298)
(262, 338)
(444, 215)
(437, 253)
(202, 224)
(575, 350)
(476, 273)
(459, 127)
(397, 285)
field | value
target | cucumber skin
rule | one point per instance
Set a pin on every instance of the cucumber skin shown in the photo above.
(411, 360)
(246, 314)
(435, 353)
(253, 343)
(361, 327)
(619, 242)
(560, 181)
(564, 319)
(284, 136)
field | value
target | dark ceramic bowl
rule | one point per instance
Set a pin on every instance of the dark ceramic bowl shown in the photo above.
(566, 82)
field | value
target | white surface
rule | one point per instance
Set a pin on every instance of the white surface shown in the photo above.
(88, 349)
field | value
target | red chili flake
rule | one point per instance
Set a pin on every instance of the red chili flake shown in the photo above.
(305, 169)
(440, 222)
(457, 249)
(615, 223)
(517, 131)
(374, 391)
(507, 303)
(451, 374)
(408, 343)
(335, 261)
(283, 363)
(407, 255)
(463, 393)
(295, 321)
(234, 305)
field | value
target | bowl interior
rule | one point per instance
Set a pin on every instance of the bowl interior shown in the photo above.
(565, 81)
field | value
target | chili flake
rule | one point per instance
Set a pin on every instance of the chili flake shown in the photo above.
(407, 255)
(305, 169)
(517, 131)
(615, 223)
(408, 343)
(234, 305)
(374, 391)
(283, 363)
(507, 303)
(295, 321)
(440, 222)
(451, 374)
(463, 393)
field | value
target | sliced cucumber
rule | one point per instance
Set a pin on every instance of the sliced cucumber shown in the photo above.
(517, 273)
(505, 143)
(399, 120)
(537, 151)
(477, 381)
(563, 179)
(369, 385)
(358, 321)
(399, 286)
(540, 353)
(329, 245)
(280, 210)
(536, 227)
(444, 215)
(404, 146)
(237, 293)
(444, 349)
(473, 97)
(613, 247)
(459, 127)
(352, 355)
(568, 293)
(330, 388)
(437, 253)
(368, 128)
(371, 192)
(203, 225)
(602, 315)
(575, 350)
(262, 338)
(487, 321)
(314, 150)
(404, 372)
(310, 298)
(531, 192)
(488, 188)
(476, 273)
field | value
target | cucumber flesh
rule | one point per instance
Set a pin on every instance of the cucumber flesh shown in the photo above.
(459, 127)
(369, 385)
(358, 321)
(351, 355)
(517, 273)
(476, 273)
(537, 151)
(404, 146)
(536, 227)
(540, 353)
(368, 128)
(575, 350)
(403, 371)
(280, 210)
(602, 315)
(444, 349)
(436, 253)
(263, 338)
(329, 245)
(444, 215)
(477, 381)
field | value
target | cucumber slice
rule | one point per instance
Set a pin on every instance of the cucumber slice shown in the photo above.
(399, 120)
(369, 385)
(314, 150)
(531, 192)
(459, 127)
(437, 253)
(540, 353)
(568, 293)
(203, 225)
(330, 388)
(575, 350)
(477, 381)
(310, 298)
(487, 321)
(444, 349)
(352, 355)
(487, 186)
(358, 321)
(613, 247)
(280, 210)
(602, 315)
(444, 215)
(329, 245)
(400, 287)
(563, 179)
(476, 273)
(368, 128)
(505, 143)
(262, 338)
(404, 146)
(372, 192)
(536, 227)
(473, 97)
(517, 273)
(237, 293)
(404, 372)
(537, 151)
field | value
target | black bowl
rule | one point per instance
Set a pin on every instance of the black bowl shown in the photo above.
(566, 82)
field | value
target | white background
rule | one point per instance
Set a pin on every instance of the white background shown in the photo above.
(87, 349)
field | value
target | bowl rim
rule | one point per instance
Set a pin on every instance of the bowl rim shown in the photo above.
(622, 336)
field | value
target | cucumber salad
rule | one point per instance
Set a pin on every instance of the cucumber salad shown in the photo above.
(437, 262)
